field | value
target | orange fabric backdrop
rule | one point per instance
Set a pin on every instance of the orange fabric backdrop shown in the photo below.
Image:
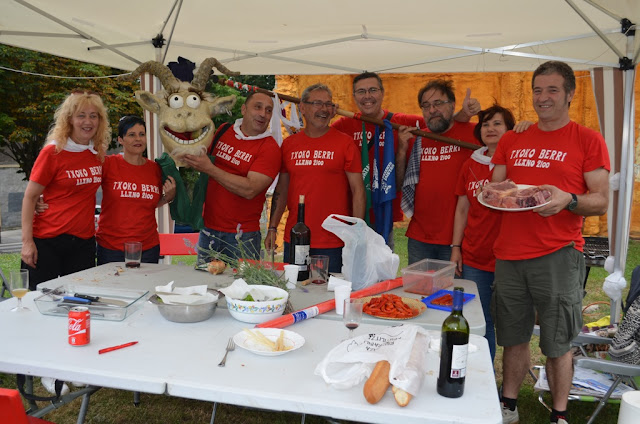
(510, 89)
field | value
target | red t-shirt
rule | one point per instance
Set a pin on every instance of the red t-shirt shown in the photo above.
(558, 158)
(130, 195)
(483, 223)
(353, 128)
(70, 181)
(224, 210)
(317, 168)
(435, 201)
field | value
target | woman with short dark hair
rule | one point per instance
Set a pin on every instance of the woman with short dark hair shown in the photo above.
(132, 189)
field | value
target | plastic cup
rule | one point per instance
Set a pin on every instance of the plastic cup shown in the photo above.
(267, 258)
(291, 275)
(319, 269)
(342, 293)
(132, 254)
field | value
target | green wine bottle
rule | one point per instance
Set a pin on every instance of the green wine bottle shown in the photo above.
(454, 346)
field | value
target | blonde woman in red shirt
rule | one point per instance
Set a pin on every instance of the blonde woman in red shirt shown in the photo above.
(67, 173)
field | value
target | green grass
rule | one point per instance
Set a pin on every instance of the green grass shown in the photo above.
(116, 406)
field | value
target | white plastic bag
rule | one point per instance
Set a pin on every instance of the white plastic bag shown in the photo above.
(352, 361)
(366, 259)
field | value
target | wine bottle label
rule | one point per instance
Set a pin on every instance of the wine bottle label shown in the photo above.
(301, 256)
(459, 361)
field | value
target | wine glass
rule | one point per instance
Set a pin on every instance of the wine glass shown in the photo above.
(19, 284)
(352, 315)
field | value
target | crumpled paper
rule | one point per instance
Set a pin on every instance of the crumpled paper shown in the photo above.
(335, 282)
(240, 289)
(194, 295)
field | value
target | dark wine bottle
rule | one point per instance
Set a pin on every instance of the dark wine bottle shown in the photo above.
(454, 346)
(300, 243)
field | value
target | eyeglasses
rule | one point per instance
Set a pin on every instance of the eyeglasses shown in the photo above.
(363, 91)
(438, 104)
(318, 104)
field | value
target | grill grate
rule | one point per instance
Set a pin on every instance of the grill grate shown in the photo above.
(596, 250)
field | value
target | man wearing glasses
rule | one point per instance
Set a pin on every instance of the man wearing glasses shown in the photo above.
(368, 93)
(432, 209)
(324, 165)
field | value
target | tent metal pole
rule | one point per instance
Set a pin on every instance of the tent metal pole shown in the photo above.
(594, 28)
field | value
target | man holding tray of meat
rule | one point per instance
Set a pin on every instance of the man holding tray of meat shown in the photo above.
(540, 266)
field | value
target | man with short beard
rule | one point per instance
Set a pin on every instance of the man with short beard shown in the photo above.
(431, 226)
(323, 164)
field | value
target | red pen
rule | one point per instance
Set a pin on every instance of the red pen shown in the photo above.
(109, 349)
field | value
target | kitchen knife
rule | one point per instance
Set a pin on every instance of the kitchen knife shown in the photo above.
(116, 302)
(104, 302)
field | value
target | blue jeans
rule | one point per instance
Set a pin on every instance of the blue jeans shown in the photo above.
(484, 281)
(149, 256)
(211, 241)
(418, 251)
(334, 254)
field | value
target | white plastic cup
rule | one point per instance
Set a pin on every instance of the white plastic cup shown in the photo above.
(342, 293)
(291, 275)
(629, 407)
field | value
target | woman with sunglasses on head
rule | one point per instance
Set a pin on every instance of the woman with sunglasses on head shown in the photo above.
(132, 189)
(67, 173)
(475, 226)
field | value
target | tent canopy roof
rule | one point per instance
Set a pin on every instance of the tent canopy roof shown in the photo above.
(336, 36)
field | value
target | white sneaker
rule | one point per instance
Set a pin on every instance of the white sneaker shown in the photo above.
(561, 421)
(509, 416)
(49, 384)
(77, 384)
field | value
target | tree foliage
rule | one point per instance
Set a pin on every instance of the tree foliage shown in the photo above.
(29, 101)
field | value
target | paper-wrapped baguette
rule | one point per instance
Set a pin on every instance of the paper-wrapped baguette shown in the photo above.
(402, 398)
(378, 382)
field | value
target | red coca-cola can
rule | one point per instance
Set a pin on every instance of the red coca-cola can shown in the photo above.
(79, 326)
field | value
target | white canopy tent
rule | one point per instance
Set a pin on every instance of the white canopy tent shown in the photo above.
(297, 37)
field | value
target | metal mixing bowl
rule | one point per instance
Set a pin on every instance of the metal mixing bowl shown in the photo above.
(187, 313)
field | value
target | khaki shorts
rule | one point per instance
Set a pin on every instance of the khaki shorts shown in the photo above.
(551, 285)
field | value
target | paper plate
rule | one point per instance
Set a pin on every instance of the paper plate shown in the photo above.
(291, 339)
(411, 302)
(520, 187)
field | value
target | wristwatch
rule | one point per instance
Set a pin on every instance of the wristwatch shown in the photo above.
(573, 203)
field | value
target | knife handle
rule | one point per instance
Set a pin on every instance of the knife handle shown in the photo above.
(86, 296)
(75, 299)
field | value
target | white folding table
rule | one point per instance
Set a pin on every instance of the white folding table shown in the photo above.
(181, 360)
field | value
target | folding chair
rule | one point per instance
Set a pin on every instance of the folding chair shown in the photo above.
(178, 244)
(13, 410)
(620, 372)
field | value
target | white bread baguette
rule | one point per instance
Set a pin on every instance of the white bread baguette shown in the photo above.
(378, 382)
